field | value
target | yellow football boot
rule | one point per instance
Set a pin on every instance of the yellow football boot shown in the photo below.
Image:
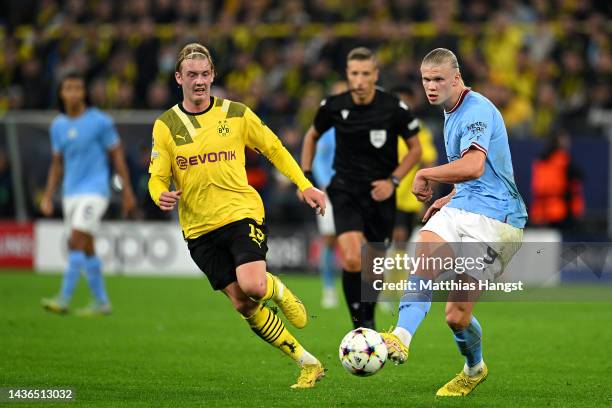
(54, 305)
(396, 350)
(309, 375)
(462, 384)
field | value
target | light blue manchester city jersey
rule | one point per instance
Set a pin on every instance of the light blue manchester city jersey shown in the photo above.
(476, 123)
(323, 163)
(84, 142)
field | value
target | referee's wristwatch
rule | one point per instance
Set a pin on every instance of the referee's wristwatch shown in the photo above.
(395, 181)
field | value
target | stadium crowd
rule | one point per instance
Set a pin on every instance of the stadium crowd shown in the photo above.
(545, 63)
(542, 62)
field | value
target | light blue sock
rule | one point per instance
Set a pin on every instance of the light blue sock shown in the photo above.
(93, 267)
(76, 263)
(414, 305)
(469, 342)
(327, 264)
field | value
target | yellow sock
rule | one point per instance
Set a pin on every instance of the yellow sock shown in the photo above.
(269, 327)
(273, 289)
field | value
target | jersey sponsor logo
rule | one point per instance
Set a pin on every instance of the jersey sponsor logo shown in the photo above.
(223, 129)
(344, 113)
(183, 162)
(378, 137)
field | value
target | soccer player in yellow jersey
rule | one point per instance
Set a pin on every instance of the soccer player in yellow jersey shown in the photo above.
(200, 144)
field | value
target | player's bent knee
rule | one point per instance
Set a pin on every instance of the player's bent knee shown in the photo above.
(352, 263)
(254, 290)
(457, 319)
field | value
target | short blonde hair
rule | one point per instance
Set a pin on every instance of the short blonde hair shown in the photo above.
(440, 56)
(193, 51)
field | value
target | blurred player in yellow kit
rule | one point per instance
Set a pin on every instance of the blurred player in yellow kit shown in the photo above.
(200, 144)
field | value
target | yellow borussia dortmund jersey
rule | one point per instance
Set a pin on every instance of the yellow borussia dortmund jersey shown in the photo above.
(205, 156)
(406, 201)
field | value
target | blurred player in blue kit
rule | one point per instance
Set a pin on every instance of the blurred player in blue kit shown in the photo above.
(82, 139)
(322, 173)
(484, 209)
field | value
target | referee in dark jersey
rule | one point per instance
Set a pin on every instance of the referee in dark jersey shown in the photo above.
(368, 122)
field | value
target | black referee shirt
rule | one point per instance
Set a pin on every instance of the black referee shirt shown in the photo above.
(366, 135)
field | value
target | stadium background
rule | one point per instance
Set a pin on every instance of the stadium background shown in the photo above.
(546, 64)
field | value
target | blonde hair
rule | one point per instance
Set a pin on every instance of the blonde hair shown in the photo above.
(440, 56)
(193, 51)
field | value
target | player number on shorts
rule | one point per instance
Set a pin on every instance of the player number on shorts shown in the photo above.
(256, 235)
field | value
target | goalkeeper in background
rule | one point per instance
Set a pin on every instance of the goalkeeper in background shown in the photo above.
(200, 144)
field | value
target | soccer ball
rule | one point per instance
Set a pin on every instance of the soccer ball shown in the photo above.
(363, 352)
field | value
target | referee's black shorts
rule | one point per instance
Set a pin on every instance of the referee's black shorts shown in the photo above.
(356, 210)
(219, 252)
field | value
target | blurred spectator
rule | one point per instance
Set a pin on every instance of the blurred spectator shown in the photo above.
(547, 64)
(7, 206)
(158, 95)
(545, 112)
(556, 186)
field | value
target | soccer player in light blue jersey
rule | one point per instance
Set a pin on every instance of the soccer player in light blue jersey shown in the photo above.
(82, 138)
(484, 209)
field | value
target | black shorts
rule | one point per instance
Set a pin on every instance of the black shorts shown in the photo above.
(357, 211)
(219, 252)
(405, 220)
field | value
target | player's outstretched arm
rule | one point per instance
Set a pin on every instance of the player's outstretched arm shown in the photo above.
(469, 167)
(315, 198)
(309, 149)
(56, 170)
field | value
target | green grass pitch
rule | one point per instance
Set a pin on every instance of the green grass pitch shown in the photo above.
(173, 342)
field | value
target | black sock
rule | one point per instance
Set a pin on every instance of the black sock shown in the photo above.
(368, 306)
(351, 283)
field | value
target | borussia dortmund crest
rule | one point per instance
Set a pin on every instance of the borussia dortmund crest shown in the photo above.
(223, 129)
